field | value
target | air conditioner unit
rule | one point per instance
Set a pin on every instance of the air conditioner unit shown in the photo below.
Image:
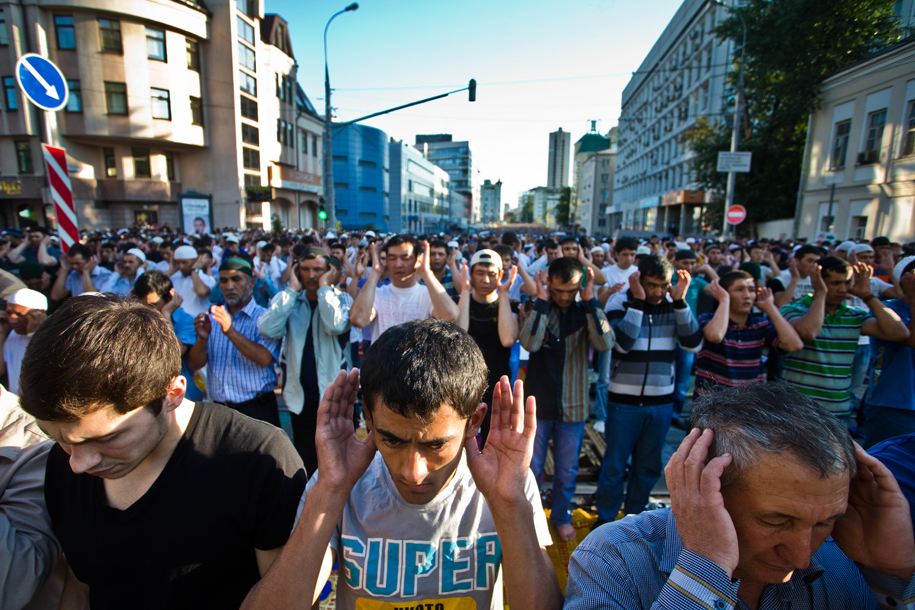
(870, 156)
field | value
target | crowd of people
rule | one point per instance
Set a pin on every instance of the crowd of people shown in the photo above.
(145, 455)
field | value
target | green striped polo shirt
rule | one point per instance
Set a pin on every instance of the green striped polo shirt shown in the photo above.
(822, 370)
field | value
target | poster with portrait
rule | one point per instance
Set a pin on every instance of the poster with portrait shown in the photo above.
(196, 213)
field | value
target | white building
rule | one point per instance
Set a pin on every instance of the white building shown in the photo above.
(682, 78)
(597, 193)
(490, 202)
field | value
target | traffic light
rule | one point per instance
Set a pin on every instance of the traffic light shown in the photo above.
(472, 89)
(322, 213)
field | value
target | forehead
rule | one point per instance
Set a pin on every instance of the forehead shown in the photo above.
(484, 269)
(400, 250)
(653, 279)
(743, 283)
(811, 258)
(555, 284)
(314, 263)
(437, 250)
(444, 422)
(232, 274)
(20, 309)
(99, 423)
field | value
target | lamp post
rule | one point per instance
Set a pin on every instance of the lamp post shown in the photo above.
(738, 98)
(329, 200)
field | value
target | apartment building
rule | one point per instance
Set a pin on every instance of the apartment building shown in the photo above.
(165, 97)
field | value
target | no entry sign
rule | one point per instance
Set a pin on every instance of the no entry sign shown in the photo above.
(736, 214)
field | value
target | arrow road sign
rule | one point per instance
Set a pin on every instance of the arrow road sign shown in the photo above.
(42, 82)
(736, 214)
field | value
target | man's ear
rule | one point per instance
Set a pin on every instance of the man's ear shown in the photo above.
(176, 390)
(476, 420)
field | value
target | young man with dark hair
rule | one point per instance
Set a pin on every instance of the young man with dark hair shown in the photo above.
(795, 282)
(443, 262)
(559, 334)
(735, 337)
(404, 299)
(157, 502)
(79, 272)
(312, 313)
(428, 520)
(648, 326)
(550, 251)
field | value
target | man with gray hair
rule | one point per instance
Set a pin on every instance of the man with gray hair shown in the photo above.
(758, 486)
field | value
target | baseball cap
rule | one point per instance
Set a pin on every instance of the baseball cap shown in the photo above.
(642, 250)
(369, 234)
(486, 257)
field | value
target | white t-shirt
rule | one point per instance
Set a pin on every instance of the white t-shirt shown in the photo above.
(191, 303)
(162, 266)
(615, 275)
(445, 553)
(804, 285)
(878, 287)
(395, 306)
(13, 353)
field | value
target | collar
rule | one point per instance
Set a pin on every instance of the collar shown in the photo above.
(250, 309)
(807, 301)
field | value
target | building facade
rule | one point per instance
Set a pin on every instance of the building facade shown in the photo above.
(860, 157)
(362, 177)
(456, 158)
(421, 191)
(560, 151)
(490, 202)
(597, 217)
(149, 80)
(680, 80)
(586, 146)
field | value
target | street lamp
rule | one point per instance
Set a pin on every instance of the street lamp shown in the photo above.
(738, 98)
(329, 199)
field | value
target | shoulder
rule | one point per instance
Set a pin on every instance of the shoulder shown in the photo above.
(633, 544)
(226, 431)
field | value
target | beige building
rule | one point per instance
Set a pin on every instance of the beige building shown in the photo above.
(166, 97)
(860, 159)
(597, 193)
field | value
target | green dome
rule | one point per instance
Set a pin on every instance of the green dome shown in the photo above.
(592, 142)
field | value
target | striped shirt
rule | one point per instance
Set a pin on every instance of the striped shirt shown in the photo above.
(737, 360)
(232, 377)
(558, 342)
(822, 370)
(640, 563)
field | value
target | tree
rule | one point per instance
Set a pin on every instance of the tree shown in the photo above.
(527, 210)
(564, 207)
(792, 45)
(276, 224)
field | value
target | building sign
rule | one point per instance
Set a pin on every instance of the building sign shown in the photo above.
(650, 202)
(295, 180)
(678, 197)
(10, 186)
(734, 161)
(196, 212)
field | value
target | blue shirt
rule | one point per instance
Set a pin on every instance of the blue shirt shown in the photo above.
(183, 325)
(892, 378)
(640, 562)
(232, 377)
(898, 454)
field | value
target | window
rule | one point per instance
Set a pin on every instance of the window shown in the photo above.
(111, 168)
(146, 217)
(280, 130)
(314, 146)
(245, 30)
(193, 55)
(827, 223)
(605, 177)
(367, 189)
(909, 147)
(250, 134)
(170, 165)
(248, 108)
(339, 158)
(341, 185)
(63, 26)
(196, 111)
(247, 83)
(4, 39)
(340, 212)
(24, 157)
(141, 167)
(161, 107)
(110, 34)
(75, 97)
(859, 227)
(364, 163)
(875, 124)
(291, 134)
(246, 56)
(246, 7)
(155, 44)
(251, 158)
(9, 93)
(303, 137)
(840, 144)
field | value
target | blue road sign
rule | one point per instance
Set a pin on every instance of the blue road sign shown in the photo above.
(42, 82)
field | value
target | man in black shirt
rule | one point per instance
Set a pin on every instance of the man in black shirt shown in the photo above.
(490, 317)
(158, 502)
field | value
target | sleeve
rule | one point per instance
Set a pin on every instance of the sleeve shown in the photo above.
(688, 332)
(771, 334)
(207, 279)
(184, 327)
(216, 296)
(272, 322)
(29, 550)
(534, 328)
(626, 321)
(792, 311)
(335, 537)
(889, 591)
(278, 486)
(704, 320)
(532, 492)
(600, 334)
(333, 310)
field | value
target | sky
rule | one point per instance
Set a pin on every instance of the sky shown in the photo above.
(539, 65)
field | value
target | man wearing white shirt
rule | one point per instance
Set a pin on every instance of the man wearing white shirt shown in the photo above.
(167, 252)
(128, 269)
(25, 311)
(191, 282)
(273, 266)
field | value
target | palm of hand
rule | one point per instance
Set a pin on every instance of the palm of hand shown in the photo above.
(499, 471)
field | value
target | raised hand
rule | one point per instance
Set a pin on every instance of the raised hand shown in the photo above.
(342, 456)
(542, 291)
(199, 263)
(718, 291)
(91, 264)
(5, 326)
(35, 317)
(294, 281)
(765, 300)
(876, 530)
(861, 282)
(703, 522)
(501, 469)
(203, 326)
(173, 304)
(679, 291)
(635, 285)
(222, 317)
(65, 264)
(617, 287)
(465, 279)
(377, 266)
(505, 287)
(816, 280)
(328, 278)
(907, 282)
(423, 261)
(886, 262)
(587, 293)
(792, 268)
(359, 269)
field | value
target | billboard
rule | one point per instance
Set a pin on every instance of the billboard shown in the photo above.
(196, 211)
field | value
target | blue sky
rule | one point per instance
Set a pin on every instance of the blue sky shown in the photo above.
(539, 65)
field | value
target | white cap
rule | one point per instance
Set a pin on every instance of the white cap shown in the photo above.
(859, 248)
(330, 235)
(596, 249)
(29, 298)
(261, 244)
(369, 234)
(156, 240)
(453, 244)
(138, 253)
(681, 245)
(185, 253)
(486, 257)
(897, 270)
(642, 250)
(232, 238)
(605, 247)
(845, 246)
(690, 240)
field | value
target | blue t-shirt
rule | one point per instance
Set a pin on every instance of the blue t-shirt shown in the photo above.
(892, 379)
(898, 454)
(183, 324)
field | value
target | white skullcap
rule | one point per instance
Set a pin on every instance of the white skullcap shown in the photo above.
(845, 246)
(605, 247)
(453, 244)
(901, 265)
(138, 253)
(858, 249)
(261, 244)
(596, 249)
(641, 250)
(156, 240)
(29, 298)
(369, 234)
(232, 238)
(690, 240)
(330, 235)
(682, 245)
(185, 253)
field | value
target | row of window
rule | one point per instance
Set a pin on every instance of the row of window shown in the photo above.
(110, 39)
(876, 123)
(160, 102)
(141, 164)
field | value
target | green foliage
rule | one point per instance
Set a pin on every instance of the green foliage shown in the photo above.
(276, 225)
(564, 207)
(527, 211)
(792, 45)
(369, 227)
